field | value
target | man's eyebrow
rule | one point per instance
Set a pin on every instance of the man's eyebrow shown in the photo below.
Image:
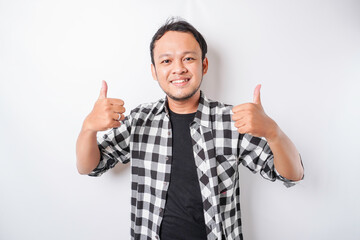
(189, 52)
(164, 55)
(183, 53)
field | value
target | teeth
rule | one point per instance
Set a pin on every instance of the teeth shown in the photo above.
(180, 81)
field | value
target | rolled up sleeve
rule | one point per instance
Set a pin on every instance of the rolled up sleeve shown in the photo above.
(114, 147)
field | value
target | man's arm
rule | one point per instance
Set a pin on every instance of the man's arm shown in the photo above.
(251, 118)
(106, 114)
(286, 157)
(87, 152)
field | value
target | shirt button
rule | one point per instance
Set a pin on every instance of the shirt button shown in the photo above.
(169, 133)
(160, 210)
(156, 237)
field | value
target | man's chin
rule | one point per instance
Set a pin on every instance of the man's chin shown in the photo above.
(181, 97)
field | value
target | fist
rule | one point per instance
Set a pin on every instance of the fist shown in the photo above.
(107, 112)
(251, 118)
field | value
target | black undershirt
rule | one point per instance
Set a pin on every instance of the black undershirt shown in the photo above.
(183, 216)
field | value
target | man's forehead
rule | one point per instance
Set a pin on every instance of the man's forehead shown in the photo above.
(179, 42)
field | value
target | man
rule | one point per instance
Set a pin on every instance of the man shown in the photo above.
(185, 149)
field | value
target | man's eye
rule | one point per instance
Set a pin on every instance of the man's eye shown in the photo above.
(165, 61)
(189, 59)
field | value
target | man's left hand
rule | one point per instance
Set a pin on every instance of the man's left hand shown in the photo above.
(251, 118)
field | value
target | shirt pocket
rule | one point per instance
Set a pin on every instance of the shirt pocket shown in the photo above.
(227, 171)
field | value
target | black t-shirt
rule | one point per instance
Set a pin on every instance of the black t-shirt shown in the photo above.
(183, 216)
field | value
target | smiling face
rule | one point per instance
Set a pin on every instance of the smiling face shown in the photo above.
(178, 65)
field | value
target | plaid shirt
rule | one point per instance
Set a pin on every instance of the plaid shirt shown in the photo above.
(145, 137)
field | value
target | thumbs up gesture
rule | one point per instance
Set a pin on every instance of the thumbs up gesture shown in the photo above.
(107, 112)
(251, 118)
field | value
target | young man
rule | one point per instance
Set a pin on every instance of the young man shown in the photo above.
(185, 149)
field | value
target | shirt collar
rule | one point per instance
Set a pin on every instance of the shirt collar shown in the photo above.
(202, 116)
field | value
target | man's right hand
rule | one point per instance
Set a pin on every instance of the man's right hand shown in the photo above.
(107, 112)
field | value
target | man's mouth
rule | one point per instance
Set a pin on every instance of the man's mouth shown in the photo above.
(178, 81)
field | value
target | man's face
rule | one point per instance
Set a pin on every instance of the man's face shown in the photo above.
(178, 65)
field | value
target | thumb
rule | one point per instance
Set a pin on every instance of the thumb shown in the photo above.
(103, 91)
(256, 99)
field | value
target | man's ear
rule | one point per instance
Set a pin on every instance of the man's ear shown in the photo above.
(205, 65)
(153, 72)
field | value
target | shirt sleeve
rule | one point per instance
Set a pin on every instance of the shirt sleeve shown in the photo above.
(114, 146)
(256, 155)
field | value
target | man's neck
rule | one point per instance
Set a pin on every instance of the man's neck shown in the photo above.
(185, 106)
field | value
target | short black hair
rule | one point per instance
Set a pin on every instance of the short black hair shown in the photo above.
(179, 25)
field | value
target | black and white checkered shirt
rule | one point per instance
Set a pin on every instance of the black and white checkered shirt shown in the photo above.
(145, 137)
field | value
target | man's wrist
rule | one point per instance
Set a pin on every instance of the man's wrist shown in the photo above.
(87, 130)
(274, 133)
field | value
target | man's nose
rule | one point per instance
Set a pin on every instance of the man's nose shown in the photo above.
(179, 67)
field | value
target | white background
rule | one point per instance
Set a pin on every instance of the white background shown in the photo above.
(54, 54)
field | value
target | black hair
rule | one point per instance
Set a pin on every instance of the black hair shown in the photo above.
(179, 25)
